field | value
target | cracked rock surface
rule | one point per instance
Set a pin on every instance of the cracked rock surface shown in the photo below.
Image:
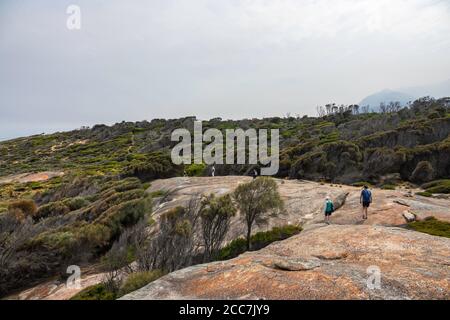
(323, 262)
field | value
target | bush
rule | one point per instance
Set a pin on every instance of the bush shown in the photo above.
(438, 186)
(76, 203)
(96, 235)
(138, 280)
(95, 292)
(423, 172)
(215, 215)
(424, 194)
(431, 226)
(157, 165)
(259, 241)
(23, 208)
(52, 209)
(158, 193)
(125, 214)
(195, 170)
(388, 187)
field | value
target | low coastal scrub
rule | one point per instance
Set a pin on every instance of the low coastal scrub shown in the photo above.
(431, 226)
(133, 282)
(258, 240)
(138, 280)
(95, 292)
(438, 186)
(424, 194)
(73, 222)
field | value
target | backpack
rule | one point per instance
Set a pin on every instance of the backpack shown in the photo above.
(329, 206)
(366, 194)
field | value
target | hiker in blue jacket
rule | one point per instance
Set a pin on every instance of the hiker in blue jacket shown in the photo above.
(329, 209)
(365, 199)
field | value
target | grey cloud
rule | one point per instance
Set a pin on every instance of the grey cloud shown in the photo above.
(135, 60)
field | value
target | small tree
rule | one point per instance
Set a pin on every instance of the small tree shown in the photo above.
(255, 200)
(215, 216)
(172, 245)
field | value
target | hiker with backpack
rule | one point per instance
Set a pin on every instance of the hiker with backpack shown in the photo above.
(365, 199)
(329, 209)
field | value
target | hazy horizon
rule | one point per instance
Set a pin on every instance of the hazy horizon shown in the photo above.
(141, 60)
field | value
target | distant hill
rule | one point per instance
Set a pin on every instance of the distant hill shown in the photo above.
(407, 94)
(386, 96)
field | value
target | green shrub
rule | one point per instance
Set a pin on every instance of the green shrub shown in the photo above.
(431, 226)
(440, 186)
(138, 280)
(195, 170)
(424, 194)
(95, 292)
(125, 214)
(258, 240)
(157, 165)
(52, 209)
(96, 235)
(146, 185)
(61, 242)
(76, 203)
(158, 193)
(388, 187)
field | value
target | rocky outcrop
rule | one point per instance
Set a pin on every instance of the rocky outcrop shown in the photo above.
(304, 202)
(30, 177)
(57, 289)
(409, 216)
(350, 245)
(323, 262)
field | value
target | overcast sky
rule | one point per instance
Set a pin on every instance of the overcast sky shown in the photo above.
(136, 60)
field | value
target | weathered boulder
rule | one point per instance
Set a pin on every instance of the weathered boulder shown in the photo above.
(409, 216)
(324, 262)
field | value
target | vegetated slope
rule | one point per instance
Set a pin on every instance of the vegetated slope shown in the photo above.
(76, 216)
(340, 147)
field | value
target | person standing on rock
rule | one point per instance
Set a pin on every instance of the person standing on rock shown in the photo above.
(366, 200)
(329, 209)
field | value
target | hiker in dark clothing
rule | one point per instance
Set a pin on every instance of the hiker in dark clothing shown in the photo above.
(365, 199)
(255, 174)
